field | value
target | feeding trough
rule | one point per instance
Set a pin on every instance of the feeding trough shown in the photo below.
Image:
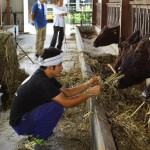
(119, 105)
(101, 136)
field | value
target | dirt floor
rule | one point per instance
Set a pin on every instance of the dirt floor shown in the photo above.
(72, 132)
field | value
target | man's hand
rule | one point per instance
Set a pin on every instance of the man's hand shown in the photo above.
(63, 14)
(95, 90)
(93, 81)
(32, 23)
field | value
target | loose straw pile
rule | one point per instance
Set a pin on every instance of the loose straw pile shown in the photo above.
(114, 77)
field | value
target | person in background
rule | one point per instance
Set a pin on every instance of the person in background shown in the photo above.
(38, 17)
(39, 102)
(59, 12)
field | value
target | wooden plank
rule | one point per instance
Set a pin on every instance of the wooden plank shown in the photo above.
(126, 27)
(0, 12)
(8, 12)
(101, 13)
(94, 12)
(104, 13)
(145, 2)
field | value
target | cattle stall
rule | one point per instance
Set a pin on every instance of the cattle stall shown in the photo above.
(101, 13)
(129, 121)
(140, 16)
(119, 13)
(113, 13)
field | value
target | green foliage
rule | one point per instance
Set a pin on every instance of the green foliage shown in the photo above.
(79, 17)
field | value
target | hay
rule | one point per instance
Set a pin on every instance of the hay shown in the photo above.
(131, 131)
(71, 78)
(10, 74)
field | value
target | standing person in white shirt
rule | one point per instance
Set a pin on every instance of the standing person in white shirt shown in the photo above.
(59, 12)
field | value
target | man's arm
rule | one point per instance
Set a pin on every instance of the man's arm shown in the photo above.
(76, 100)
(32, 18)
(33, 11)
(57, 11)
(79, 89)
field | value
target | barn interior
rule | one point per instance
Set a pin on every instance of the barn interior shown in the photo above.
(114, 120)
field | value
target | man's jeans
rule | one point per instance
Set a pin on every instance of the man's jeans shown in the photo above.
(60, 37)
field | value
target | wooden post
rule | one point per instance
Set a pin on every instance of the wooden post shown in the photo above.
(100, 13)
(126, 27)
(0, 12)
(94, 12)
(104, 13)
(8, 12)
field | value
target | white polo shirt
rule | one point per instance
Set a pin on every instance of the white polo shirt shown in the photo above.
(58, 19)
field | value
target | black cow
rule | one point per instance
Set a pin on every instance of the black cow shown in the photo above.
(135, 64)
(124, 46)
(107, 36)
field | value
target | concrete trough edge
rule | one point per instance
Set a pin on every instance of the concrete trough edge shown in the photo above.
(101, 135)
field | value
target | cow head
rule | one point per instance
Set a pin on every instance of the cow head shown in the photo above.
(132, 39)
(107, 36)
(135, 64)
(124, 46)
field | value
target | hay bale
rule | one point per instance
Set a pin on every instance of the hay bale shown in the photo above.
(10, 72)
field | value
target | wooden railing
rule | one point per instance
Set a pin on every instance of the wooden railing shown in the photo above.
(99, 14)
(118, 13)
(113, 14)
(141, 16)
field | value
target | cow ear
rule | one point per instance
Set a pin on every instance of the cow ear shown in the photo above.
(115, 32)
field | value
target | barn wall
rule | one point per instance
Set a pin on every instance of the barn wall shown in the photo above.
(15, 7)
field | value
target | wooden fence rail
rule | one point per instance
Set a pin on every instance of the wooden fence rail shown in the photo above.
(141, 16)
(113, 14)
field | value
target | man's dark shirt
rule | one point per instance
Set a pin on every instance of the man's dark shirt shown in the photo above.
(36, 90)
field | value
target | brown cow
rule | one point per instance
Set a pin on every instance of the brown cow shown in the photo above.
(135, 65)
(107, 36)
(125, 46)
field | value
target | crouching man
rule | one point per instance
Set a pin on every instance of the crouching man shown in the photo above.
(40, 100)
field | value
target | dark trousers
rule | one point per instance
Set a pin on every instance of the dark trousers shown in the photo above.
(41, 121)
(60, 37)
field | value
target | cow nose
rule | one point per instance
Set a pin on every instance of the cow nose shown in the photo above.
(146, 94)
(119, 70)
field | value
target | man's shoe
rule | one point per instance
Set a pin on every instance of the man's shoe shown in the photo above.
(34, 144)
